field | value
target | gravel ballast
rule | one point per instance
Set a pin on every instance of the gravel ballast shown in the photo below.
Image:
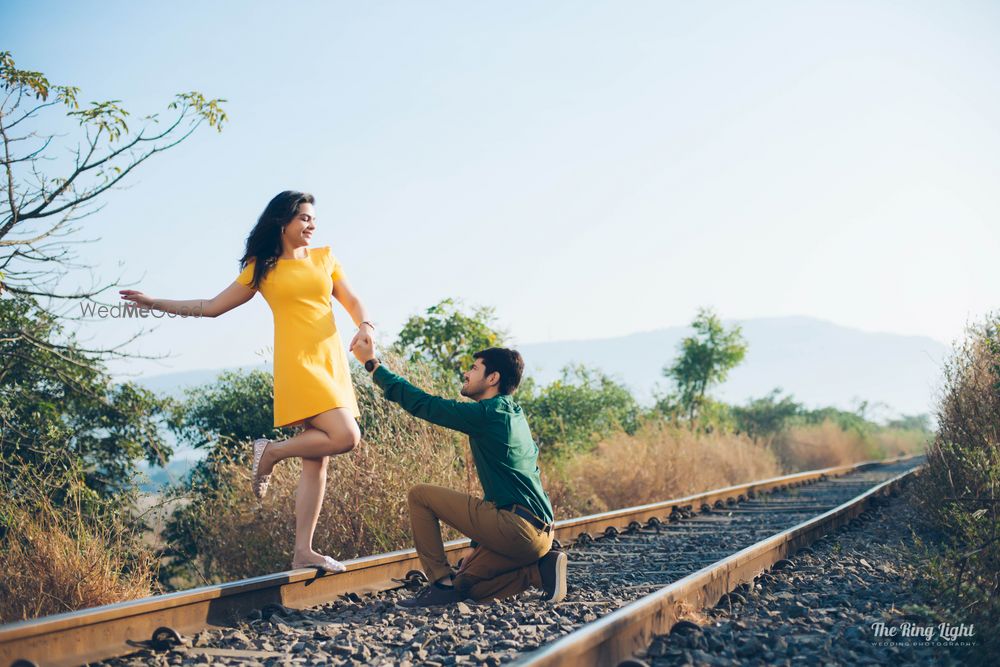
(830, 607)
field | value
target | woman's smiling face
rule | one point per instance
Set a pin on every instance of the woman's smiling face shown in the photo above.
(299, 231)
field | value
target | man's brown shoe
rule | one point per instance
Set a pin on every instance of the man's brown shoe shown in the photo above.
(552, 567)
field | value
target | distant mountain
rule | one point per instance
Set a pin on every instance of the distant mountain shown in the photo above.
(174, 384)
(818, 362)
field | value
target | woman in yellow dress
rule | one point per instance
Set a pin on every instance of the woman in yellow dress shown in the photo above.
(312, 380)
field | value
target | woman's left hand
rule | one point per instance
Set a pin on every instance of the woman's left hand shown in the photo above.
(365, 330)
(363, 348)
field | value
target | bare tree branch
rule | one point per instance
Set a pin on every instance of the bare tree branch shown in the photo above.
(38, 229)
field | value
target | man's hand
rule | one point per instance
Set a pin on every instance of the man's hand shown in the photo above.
(363, 347)
(366, 329)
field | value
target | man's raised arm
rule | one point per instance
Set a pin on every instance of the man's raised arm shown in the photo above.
(467, 417)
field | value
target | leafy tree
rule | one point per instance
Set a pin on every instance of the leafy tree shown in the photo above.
(715, 416)
(705, 360)
(237, 407)
(766, 416)
(40, 125)
(447, 336)
(921, 422)
(574, 412)
(58, 404)
(845, 419)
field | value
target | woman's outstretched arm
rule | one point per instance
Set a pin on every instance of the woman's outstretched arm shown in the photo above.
(229, 298)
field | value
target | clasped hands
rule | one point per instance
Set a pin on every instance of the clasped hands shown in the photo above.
(363, 344)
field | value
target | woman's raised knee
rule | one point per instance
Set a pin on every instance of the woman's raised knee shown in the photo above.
(350, 441)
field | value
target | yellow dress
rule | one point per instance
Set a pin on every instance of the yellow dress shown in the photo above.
(311, 374)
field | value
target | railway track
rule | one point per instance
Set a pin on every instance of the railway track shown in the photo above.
(633, 572)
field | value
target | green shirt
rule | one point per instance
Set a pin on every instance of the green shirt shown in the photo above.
(506, 456)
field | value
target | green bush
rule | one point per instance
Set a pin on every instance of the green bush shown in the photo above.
(58, 402)
(763, 418)
(574, 412)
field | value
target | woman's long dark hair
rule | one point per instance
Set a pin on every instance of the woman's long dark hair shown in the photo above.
(264, 241)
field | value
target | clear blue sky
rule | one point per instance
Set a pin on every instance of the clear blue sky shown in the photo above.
(588, 168)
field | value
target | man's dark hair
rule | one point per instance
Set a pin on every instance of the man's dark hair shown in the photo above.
(508, 363)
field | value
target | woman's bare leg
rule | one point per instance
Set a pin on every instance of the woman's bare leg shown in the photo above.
(308, 500)
(327, 434)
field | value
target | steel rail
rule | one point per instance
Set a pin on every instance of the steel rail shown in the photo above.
(616, 638)
(90, 635)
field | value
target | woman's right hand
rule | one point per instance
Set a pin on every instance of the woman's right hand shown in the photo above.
(137, 297)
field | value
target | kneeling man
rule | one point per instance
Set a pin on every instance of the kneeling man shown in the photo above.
(511, 527)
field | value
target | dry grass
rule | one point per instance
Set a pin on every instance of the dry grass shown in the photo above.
(661, 462)
(958, 492)
(657, 463)
(824, 445)
(897, 442)
(819, 446)
(54, 560)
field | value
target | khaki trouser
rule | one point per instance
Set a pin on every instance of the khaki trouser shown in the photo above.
(505, 562)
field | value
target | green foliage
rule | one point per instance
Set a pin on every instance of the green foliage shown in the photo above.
(712, 415)
(715, 416)
(108, 115)
(237, 407)
(446, 336)
(572, 413)
(845, 419)
(766, 416)
(921, 422)
(59, 406)
(705, 360)
(33, 83)
(210, 111)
